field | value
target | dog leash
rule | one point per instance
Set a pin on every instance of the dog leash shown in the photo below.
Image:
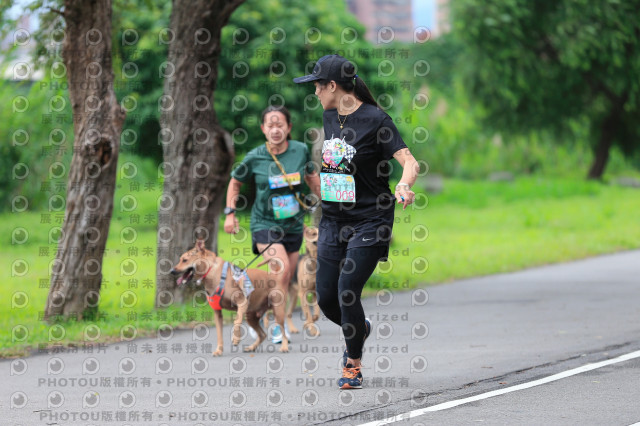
(297, 217)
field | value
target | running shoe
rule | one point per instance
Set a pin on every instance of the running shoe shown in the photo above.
(277, 334)
(345, 355)
(351, 378)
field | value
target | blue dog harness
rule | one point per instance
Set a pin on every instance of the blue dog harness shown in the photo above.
(214, 300)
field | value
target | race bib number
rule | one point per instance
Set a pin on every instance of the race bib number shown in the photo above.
(281, 181)
(285, 206)
(337, 188)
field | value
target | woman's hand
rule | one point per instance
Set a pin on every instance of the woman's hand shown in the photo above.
(404, 195)
(231, 225)
(410, 169)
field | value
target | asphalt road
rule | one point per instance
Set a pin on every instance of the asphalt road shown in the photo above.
(428, 346)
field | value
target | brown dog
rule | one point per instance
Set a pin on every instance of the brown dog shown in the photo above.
(303, 284)
(226, 290)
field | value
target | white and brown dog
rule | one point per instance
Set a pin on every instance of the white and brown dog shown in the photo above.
(250, 293)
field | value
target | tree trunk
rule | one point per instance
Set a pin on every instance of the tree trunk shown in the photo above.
(77, 269)
(601, 151)
(608, 130)
(198, 153)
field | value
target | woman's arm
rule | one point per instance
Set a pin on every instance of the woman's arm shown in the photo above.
(231, 224)
(410, 170)
(313, 180)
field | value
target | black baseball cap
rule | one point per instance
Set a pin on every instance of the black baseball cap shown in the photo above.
(330, 67)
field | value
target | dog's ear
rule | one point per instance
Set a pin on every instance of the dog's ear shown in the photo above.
(200, 245)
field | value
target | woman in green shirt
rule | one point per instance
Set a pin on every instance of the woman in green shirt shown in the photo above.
(278, 169)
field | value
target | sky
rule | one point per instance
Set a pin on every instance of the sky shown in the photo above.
(14, 11)
(424, 13)
(18, 9)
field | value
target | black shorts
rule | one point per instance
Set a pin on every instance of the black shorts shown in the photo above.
(291, 242)
(335, 237)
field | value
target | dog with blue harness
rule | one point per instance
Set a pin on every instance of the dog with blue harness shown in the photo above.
(250, 292)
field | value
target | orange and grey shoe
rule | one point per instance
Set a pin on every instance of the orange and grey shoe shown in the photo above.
(351, 378)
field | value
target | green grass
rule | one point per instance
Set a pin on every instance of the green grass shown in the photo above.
(474, 228)
(484, 228)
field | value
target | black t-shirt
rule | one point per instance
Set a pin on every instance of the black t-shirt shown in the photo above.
(360, 153)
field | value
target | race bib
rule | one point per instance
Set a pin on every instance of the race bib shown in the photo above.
(338, 188)
(281, 181)
(285, 206)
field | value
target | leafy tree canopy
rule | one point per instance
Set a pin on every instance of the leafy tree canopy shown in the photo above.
(536, 64)
(265, 45)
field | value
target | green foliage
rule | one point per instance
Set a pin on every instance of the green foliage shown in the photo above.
(37, 134)
(450, 136)
(138, 54)
(9, 158)
(443, 55)
(546, 65)
(8, 23)
(264, 46)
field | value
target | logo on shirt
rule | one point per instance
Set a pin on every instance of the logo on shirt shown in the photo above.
(336, 155)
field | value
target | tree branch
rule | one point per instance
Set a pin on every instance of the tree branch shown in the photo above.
(57, 11)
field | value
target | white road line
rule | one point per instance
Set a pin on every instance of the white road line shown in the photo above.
(457, 402)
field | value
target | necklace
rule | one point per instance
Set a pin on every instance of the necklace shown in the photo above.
(342, 122)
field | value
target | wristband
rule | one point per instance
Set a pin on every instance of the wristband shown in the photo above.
(403, 184)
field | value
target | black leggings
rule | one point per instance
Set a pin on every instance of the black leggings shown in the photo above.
(339, 285)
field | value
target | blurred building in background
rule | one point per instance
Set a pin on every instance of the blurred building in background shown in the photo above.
(443, 18)
(385, 20)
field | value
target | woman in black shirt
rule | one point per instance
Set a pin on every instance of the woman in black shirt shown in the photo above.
(357, 205)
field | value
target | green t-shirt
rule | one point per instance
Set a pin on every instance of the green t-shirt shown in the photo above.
(273, 195)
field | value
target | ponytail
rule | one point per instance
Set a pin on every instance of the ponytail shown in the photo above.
(363, 93)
